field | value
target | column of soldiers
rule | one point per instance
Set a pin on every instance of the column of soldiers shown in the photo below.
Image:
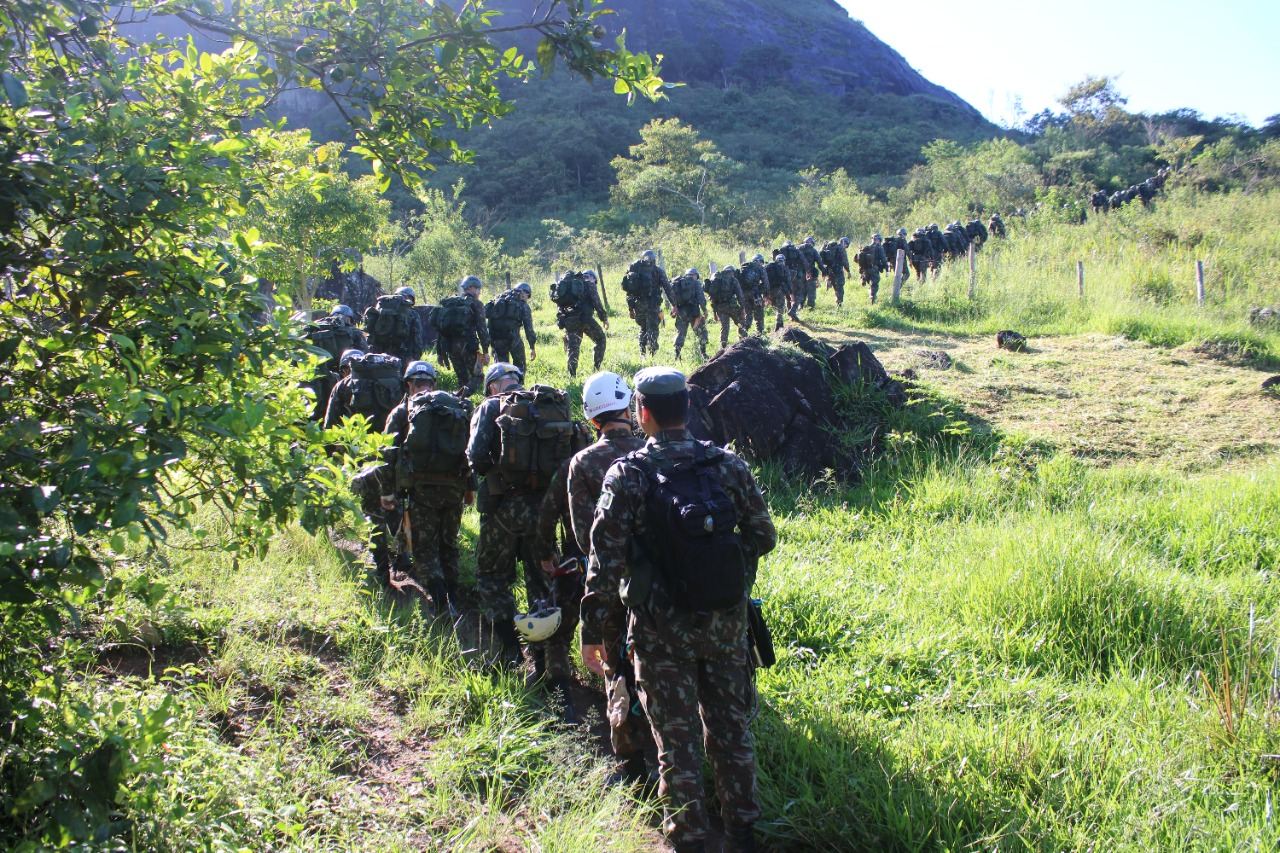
(601, 532)
(1145, 191)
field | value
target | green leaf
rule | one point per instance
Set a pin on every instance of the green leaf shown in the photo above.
(14, 90)
(230, 145)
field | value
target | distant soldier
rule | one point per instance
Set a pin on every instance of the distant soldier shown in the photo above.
(647, 287)
(728, 303)
(976, 232)
(779, 275)
(335, 335)
(997, 227)
(872, 262)
(680, 589)
(1146, 192)
(795, 266)
(813, 268)
(755, 287)
(835, 266)
(920, 253)
(689, 305)
(464, 335)
(393, 326)
(939, 244)
(370, 386)
(892, 243)
(1100, 202)
(432, 481)
(578, 303)
(507, 316)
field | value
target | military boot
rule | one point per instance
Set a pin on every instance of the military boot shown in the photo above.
(538, 658)
(740, 838)
(439, 598)
(561, 692)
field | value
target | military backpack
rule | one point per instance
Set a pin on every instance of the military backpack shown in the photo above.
(376, 384)
(436, 443)
(685, 291)
(334, 336)
(537, 433)
(792, 256)
(779, 277)
(691, 536)
(830, 256)
(641, 282)
(570, 291)
(867, 258)
(722, 288)
(505, 314)
(391, 321)
(454, 318)
(754, 280)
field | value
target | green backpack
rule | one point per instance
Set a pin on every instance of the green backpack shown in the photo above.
(439, 425)
(454, 318)
(569, 291)
(333, 336)
(685, 291)
(376, 385)
(641, 282)
(721, 288)
(504, 314)
(537, 433)
(391, 321)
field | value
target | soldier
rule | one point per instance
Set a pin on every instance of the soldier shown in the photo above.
(335, 335)
(813, 267)
(1099, 202)
(939, 244)
(835, 265)
(646, 286)
(976, 232)
(689, 308)
(507, 316)
(432, 481)
(394, 327)
(779, 289)
(370, 385)
(517, 462)
(872, 262)
(680, 588)
(579, 306)
(795, 268)
(892, 243)
(997, 226)
(464, 335)
(728, 303)
(920, 253)
(755, 287)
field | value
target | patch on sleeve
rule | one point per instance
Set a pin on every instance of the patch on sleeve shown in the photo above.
(606, 502)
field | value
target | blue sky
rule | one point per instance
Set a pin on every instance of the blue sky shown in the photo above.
(1219, 58)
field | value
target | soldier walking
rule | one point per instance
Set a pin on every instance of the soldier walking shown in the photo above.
(464, 335)
(646, 287)
(728, 303)
(813, 267)
(681, 595)
(779, 276)
(578, 299)
(755, 287)
(394, 327)
(689, 307)
(835, 265)
(507, 316)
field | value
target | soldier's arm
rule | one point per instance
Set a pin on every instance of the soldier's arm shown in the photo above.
(549, 514)
(603, 614)
(482, 328)
(737, 288)
(844, 260)
(333, 412)
(398, 424)
(479, 445)
(582, 506)
(593, 296)
(665, 284)
(526, 319)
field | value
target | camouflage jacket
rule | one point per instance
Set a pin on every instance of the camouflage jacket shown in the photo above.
(526, 320)
(483, 448)
(339, 406)
(621, 515)
(812, 261)
(586, 477)
(555, 533)
(589, 306)
(481, 325)
(398, 428)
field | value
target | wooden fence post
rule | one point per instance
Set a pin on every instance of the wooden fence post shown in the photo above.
(604, 293)
(662, 263)
(1080, 277)
(742, 259)
(973, 272)
(508, 279)
(1200, 282)
(899, 274)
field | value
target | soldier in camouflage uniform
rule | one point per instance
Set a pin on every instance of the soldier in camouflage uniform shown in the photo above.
(690, 313)
(731, 311)
(508, 525)
(755, 286)
(645, 305)
(465, 353)
(435, 501)
(563, 565)
(505, 340)
(838, 269)
(692, 668)
(581, 320)
(813, 267)
(779, 290)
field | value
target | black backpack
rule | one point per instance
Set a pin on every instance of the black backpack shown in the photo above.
(391, 322)
(685, 291)
(376, 384)
(793, 257)
(504, 314)
(439, 425)
(779, 277)
(641, 281)
(454, 318)
(830, 255)
(334, 336)
(754, 281)
(721, 288)
(692, 540)
(570, 291)
(867, 258)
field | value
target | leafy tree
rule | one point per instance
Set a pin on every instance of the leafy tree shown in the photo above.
(673, 173)
(142, 379)
(445, 245)
(314, 215)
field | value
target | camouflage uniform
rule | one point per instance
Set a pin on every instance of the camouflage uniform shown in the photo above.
(556, 542)
(369, 485)
(462, 353)
(812, 268)
(339, 407)
(647, 311)
(508, 529)
(687, 664)
(870, 265)
(693, 314)
(435, 514)
(836, 273)
(628, 734)
(408, 349)
(755, 287)
(581, 320)
(779, 291)
(731, 313)
(507, 345)
(920, 254)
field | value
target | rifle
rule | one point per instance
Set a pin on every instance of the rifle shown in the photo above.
(402, 551)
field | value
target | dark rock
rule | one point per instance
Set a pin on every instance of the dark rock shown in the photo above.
(1011, 341)
(933, 359)
(1264, 316)
(780, 406)
(1272, 384)
(356, 289)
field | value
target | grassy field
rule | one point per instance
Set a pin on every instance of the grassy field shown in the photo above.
(1050, 626)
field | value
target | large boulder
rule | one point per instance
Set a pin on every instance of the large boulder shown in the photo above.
(777, 402)
(1264, 316)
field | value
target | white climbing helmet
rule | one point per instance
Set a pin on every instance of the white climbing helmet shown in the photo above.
(539, 625)
(604, 392)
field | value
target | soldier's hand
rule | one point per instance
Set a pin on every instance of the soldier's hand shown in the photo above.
(606, 325)
(388, 503)
(469, 498)
(533, 354)
(594, 657)
(548, 567)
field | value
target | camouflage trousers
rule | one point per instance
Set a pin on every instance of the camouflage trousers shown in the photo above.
(872, 282)
(921, 266)
(735, 316)
(836, 282)
(695, 692)
(566, 593)
(508, 532)
(755, 312)
(379, 544)
(699, 324)
(435, 513)
(574, 330)
(510, 349)
(629, 729)
(649, 318)
(796, 297)
(780, 302)
(811, 292)
(462, 356)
